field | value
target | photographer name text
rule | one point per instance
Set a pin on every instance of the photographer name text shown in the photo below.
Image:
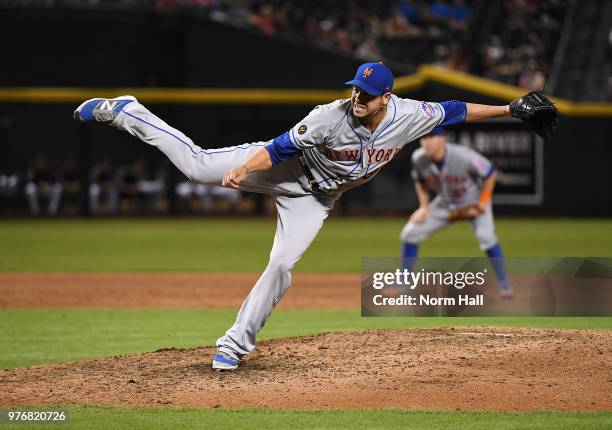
(427, 300)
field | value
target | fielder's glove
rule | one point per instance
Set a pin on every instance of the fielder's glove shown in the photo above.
(537, 111)
(465, 213)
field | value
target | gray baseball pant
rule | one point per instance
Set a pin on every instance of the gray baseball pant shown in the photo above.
(483, 225)
(300, 213)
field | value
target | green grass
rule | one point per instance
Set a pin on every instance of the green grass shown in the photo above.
(95, 417)
(32, 337)
(244, 244)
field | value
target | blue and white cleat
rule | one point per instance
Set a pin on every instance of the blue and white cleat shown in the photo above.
(505, 290)
(223, 361)
(101, 110)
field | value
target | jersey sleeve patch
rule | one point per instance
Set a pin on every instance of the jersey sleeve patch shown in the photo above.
(428, 109)
(482, 167)
(311, 131)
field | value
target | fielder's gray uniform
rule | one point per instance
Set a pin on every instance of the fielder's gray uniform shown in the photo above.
(457, 184)
(338, 153)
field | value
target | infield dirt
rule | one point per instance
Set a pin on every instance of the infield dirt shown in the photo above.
(171, 290)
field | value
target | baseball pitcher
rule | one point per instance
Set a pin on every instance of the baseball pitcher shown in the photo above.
(338, 146)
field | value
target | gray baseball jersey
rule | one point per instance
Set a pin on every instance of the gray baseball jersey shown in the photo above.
(458, 179)
(339, 153)
(457, 182)
(343, 154)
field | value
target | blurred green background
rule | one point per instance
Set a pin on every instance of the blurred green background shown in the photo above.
(243, 244)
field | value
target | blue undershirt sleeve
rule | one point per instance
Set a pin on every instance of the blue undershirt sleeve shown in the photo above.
(489, 172)
(454, 112)
(281, 148)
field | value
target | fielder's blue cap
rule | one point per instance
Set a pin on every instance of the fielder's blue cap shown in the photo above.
(436, 131)
(373, 78)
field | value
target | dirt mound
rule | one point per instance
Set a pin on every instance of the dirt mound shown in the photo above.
(467, 368)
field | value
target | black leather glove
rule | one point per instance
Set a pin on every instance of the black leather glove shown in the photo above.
(537, 111)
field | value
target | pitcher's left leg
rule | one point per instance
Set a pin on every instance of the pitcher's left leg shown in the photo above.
(298, 223)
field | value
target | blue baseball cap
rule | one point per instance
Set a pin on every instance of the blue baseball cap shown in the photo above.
(436, 131)
(374, 78)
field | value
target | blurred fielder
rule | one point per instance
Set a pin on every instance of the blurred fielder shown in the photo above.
(338, 146)
(463, 181)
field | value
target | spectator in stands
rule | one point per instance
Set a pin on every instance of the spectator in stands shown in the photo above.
(342, 41)
(355, 28)
(9, 191)
(131, 189)
(458, 15)
(451, 57)
(127, 178)
(609, 63)
(194, 196)
(103, 191)
(71, 186)
(524, 30)
(264, 19)
(412, 11)
(368, 49)
(532, 78)
(152, 188)
(396, 25)
(42, 186)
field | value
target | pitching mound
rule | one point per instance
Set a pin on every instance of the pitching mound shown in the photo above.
(467, 368)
